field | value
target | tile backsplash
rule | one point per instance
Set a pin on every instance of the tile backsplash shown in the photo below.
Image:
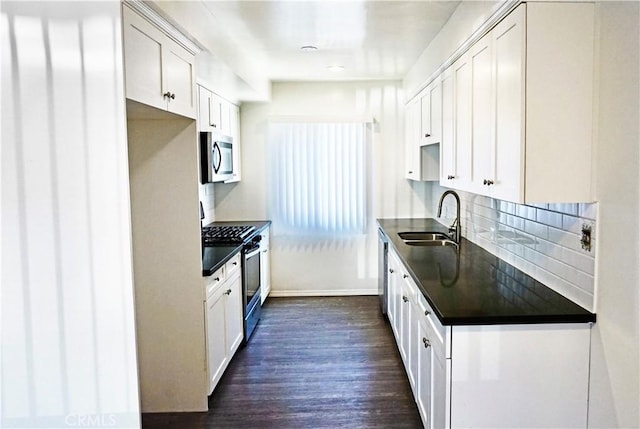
(206, 195)
(542, 240)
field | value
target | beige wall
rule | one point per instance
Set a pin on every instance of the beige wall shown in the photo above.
(302, 270)
(615, 356)
(169, 289)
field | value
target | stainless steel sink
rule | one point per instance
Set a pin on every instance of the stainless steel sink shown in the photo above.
(413, 238)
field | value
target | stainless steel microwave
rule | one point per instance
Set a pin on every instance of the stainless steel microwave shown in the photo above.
(216, 157)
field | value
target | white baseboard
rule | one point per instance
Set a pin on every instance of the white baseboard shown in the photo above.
(339, 292)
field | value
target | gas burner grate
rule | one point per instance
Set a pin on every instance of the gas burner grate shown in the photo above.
(233, 234)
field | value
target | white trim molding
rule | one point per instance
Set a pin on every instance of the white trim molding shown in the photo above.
(163, 24)
(334, 292)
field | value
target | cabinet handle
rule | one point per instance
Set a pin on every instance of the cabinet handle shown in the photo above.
(265, 251)
(228, 292)
(169, 95)
(404, 298)
(451, 177)
(427, 312)
(426, 343)
(404, 276)
(234, 263)
(427, 135)
(411, 172)
(488, 182)
(391, 270)
(217, 279)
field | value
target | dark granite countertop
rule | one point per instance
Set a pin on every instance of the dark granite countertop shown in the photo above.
(214, 257)
(474, 287)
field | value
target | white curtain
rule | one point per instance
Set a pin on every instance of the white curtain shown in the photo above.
(318, 178)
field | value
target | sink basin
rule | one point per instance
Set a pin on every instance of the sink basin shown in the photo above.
(423, 236)
(426, 239)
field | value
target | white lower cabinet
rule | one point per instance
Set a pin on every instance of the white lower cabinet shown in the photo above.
(488, 376)
(224, 319)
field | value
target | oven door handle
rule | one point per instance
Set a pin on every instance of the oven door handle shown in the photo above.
(251, 252)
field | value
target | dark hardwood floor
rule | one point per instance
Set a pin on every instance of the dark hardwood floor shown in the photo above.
(312, 363)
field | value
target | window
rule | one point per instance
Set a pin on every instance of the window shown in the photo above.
(318, 178)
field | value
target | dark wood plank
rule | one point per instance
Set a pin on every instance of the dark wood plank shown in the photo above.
(312, 363)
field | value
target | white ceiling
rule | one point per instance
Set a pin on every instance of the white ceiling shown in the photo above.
(371, 39)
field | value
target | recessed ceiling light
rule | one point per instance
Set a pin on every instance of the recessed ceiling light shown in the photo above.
(335, 68)
(309, 48)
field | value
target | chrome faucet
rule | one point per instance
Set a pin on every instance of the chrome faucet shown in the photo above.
(455, 226)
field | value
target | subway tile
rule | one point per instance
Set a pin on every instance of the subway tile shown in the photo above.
(508, 207)
(588, 211)
(548, 249)
(537, 229)
(526, 212)
(572, 224)
(581, 261)
(540, 206)
(549, 218)
(565, 288)
(566, 208)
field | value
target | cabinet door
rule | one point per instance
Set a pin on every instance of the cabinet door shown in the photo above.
(406, 316)
(393, 305)
(447, 145)
(265, 265)
(225, 118)
(431, 114)
(412, 142)
(143, 60)
(204, 110)
(234, 117)
(439, 409)
(178, 71)
(482, 116)
(424, 377)
(509, 73)
(233, 313)
(216, 336)
(462, 119)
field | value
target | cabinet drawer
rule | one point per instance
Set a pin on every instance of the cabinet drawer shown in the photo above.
(212, 282)
(233, 265)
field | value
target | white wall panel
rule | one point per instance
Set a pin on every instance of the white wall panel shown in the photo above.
(68, 346)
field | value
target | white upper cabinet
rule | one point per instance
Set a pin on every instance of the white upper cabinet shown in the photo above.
(209, 110)
(431, 114)
(234, 132)
(421, 161)
(507, 161)
(462, 81)
(559, 102)
(217, 115)
(481, 113)
(159, 72)
(447, 145)
(411, 141)
(523, 108)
